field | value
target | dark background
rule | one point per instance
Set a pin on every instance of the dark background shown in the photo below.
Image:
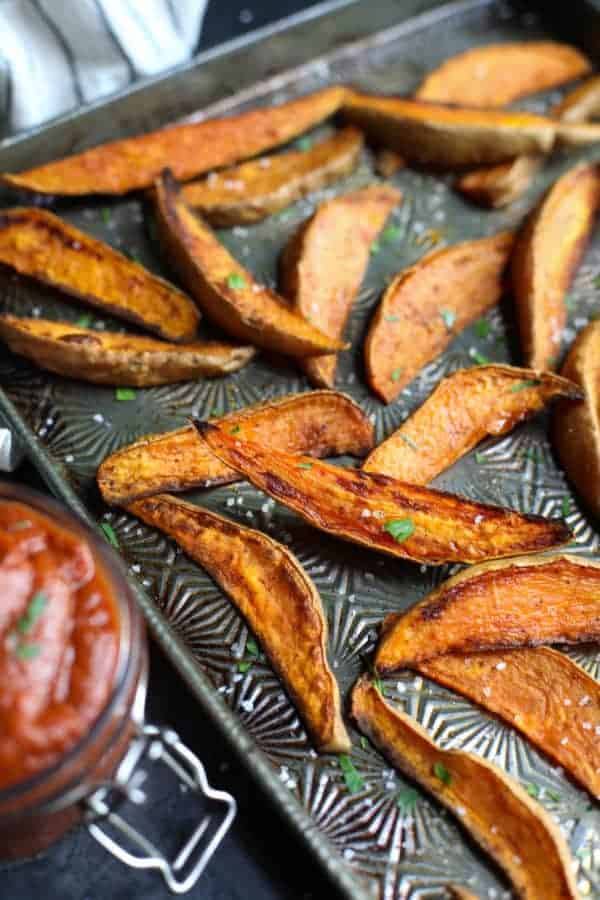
(260, 858)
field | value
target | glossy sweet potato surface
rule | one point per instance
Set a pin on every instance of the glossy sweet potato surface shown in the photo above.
(105, 357)
(427, 305)
(39, 245)
(464, 408)
(319, 423)
(495, 810)
(276, 597)
(497, 74)
(576, 427)
(263, 186)
(542, 693)
(224, 290)
(324, 264)
(448, 136)
(188, 150)
(522, 602)
(546, 254)
(391, 516)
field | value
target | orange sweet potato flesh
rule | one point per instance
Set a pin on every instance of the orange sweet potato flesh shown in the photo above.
(226, 291)
(276, 597)
(542, 693)
(366, 508)
(546, 254)
(189, 150)
(324, 264)
(464, 408)
(427, 305)
(576, 427)
(319, 423)
(448, 137)
(513, 603)
(497, 74)
(39, 245)
(495, 810)
(263, 186)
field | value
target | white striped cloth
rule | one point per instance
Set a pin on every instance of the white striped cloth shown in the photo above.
(57, 54)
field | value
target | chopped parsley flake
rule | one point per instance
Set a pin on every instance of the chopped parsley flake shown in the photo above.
(354, 781)
(109, 534)
(252, 647)
(364, 742)
(565, 506)
(552, 795)
(407, 800)
(216, 412)
(596, 281)
(479, 458)
(84, 321)
(523, 385)
(105, 213)
(234, 430)
(236, 281)
(392, 318)
(482, 328)
(440, 771)
(125, 394)
(400, 529)
(533, 790)
(378, 685)
(27, 651)
(449, 317)
(34, 610)
(395, 376)
(305, 465)
(409, 441)
(375, 248)
(480, 358)
(391, 233)
(20, 525)
(305, 143)
(244, 666)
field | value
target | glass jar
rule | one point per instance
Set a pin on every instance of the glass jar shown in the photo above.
(96, 775)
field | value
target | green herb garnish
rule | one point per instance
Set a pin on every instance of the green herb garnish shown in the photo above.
(105, 213)
(244, 666)
(482, 328)
(440, 771)
(523, 385)
(391, 233)
(27, 651)
(532, 454)
(596, 281)
(236, 281)
(552, 795)
(409, 441)
(533, 790)
(378, 685)
(479, 457)
(395, 376)
(364, 742)
(305, 465)
(400, 529)
(20, 525)
(480, 358)
(109, 533)
(216, 412)
(392, 318)
(35, 608)
(565, 506)
(354, 781)
(252, 647)
(125, 394)
(234, 430)
(84, 321)
(407, 800)
(304, 143)
(449, 317)
(570, 301)
(375, 248)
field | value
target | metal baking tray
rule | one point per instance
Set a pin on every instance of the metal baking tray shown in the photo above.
(364, 841)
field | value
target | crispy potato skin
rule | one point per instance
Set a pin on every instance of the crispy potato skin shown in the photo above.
(409, 328)
(276, 597)
(546, 254)
(189, 150)
(359, 506)
(576, 427)
(39, 245)
(506, 823)
(319, 423)
(250, 312)
(542, 693)
(104, 357)
(448, 137)
(512, 603)
(262, 187)
(497, 74)
(324, 263)
(464, 408)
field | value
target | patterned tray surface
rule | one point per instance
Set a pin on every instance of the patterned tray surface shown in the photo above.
(403, 855)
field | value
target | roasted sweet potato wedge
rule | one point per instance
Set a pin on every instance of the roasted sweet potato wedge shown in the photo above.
(276, 597)
(522, 602)
(319, 423)
(497, 812)
(188, 150)
(324, 263)
(464, 408)
(105, 357)
(427, 305)
(39, 245)
(226, 291)
(576, 427)
(457, 892)
(263, 186)
(391, 516)
(448, 137)
(546, 254)
(542, 693)
(387, 162)
(580, 104)
(497, 74)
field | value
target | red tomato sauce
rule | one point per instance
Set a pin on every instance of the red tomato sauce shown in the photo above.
(59, 641)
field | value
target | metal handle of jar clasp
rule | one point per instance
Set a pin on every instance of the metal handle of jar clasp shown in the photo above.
(154, 745)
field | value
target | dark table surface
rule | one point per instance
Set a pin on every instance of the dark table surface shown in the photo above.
(260, 858)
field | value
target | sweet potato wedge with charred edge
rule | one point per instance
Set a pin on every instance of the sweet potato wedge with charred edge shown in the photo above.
(521, 602)
(39, 245)
(464, 408)
(546, 254)
(449, 137)
(188, 150)
(226, 291)
(319, 423)
(105, 357)
(497, 812)
(263, 186)
(497, 74)
(542, 693)
(427, 305)
(276, 597)
(324, 263)
(576, 427)
(383, 514)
